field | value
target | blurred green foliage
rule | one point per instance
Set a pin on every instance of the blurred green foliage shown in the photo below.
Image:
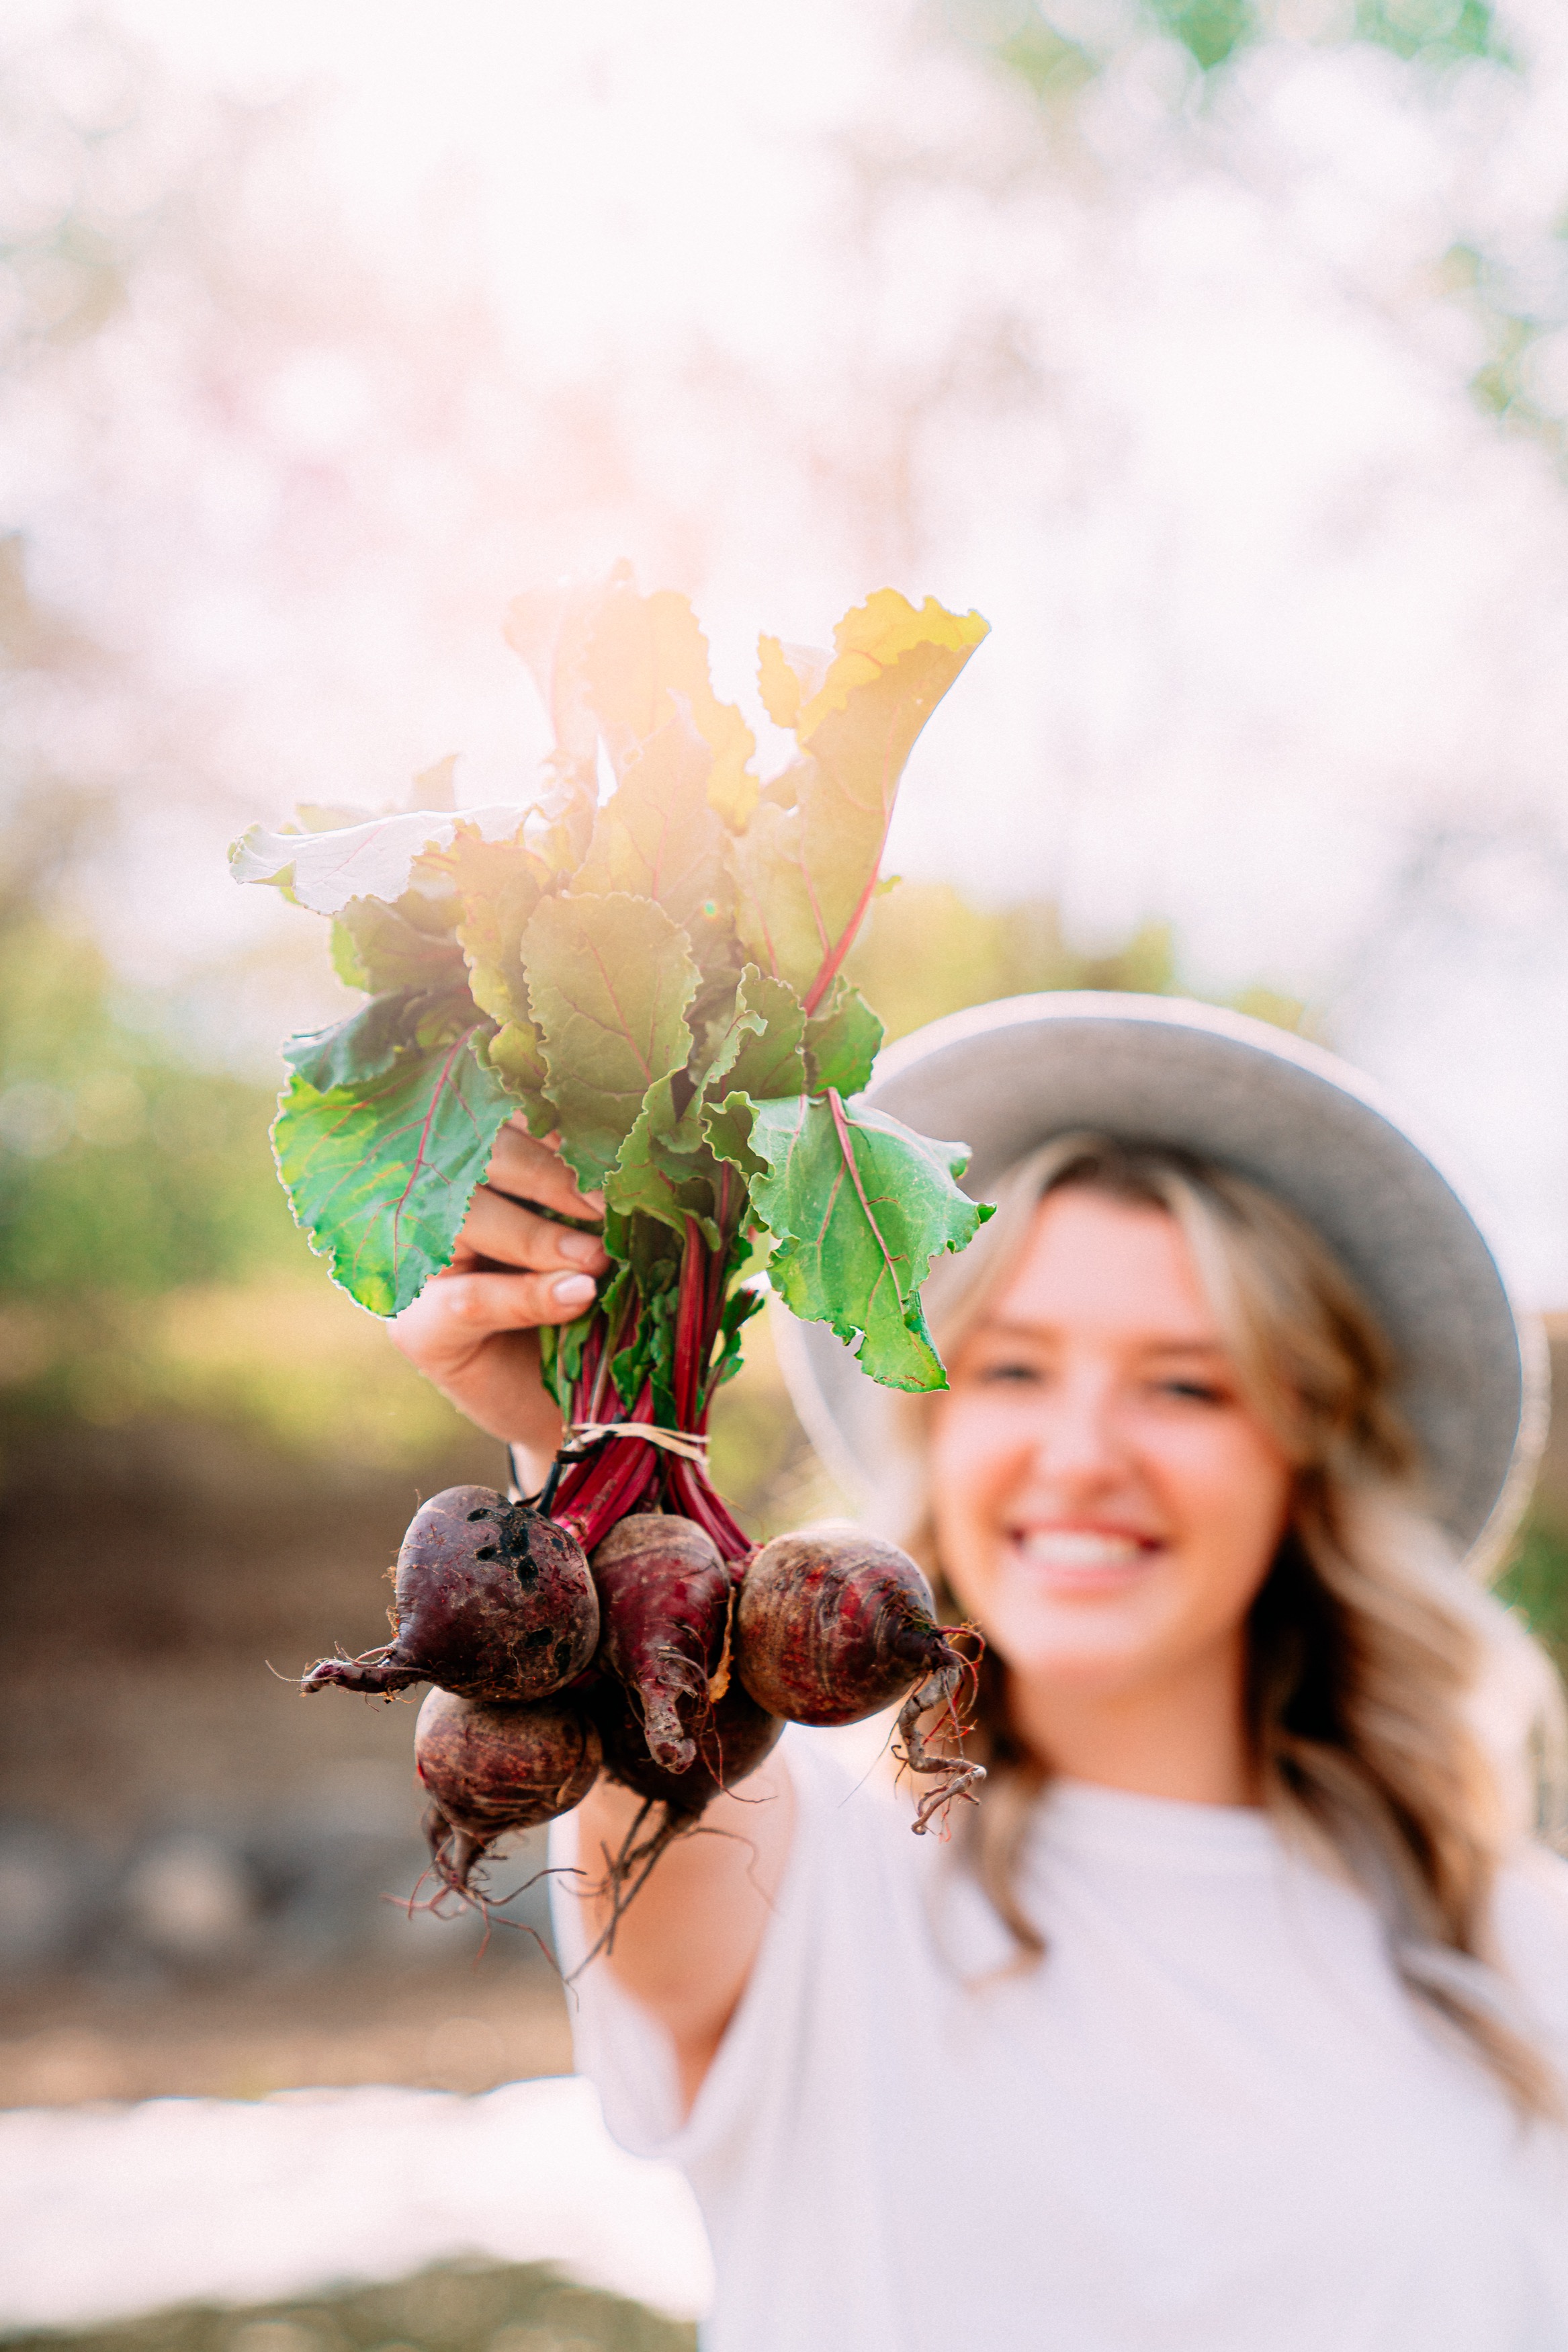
(1535, 1582)
(451, 2308)
(149, 1265)
(119, 1166)
(927, 951)
(1433, 32)
(1055, 60)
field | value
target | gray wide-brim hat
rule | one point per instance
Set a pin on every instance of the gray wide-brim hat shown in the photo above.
(1006, 1078)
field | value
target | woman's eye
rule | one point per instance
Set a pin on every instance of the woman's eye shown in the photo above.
(1194, 1391)
(1005, 1370)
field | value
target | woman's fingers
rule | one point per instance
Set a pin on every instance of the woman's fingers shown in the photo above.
(500, 1228)
(456, 1313)
(522, 1165)
(483, 1303)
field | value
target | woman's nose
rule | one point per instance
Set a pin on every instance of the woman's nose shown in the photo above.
(1077, 1444)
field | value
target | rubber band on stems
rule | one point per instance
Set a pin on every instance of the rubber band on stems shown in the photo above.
(583, 1436)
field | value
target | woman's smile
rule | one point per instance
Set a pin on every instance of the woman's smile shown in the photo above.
(1077, 1557)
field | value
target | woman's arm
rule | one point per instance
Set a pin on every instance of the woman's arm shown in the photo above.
(685, 1948)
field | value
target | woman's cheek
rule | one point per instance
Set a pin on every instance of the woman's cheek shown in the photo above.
(973, 1468)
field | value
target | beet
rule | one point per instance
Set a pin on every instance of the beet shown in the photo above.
(832, 1626)
(491, 1769)
(664, 1600)
(731, 1740)
(494, 1602)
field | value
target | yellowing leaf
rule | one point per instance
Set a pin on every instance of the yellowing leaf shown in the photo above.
(788, 676)
(805, 874)
(648, 657)
(881, 632)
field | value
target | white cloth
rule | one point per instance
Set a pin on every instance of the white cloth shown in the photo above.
(1211, 2121)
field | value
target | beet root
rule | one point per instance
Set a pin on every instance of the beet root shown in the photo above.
(491, 1769)
(664, 1601)
(493, 1601)
(731, 1738)
(833, 1626)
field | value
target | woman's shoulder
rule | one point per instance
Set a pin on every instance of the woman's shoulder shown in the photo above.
(855, 1813)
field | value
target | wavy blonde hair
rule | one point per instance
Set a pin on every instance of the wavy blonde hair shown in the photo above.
(1375, 1663)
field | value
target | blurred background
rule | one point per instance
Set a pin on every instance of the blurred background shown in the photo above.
(1217, 349)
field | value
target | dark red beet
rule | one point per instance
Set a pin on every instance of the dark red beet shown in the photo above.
(494, 1602)
(664, 1597)
(731, 1738)
(493, 1770)
(830, 1627)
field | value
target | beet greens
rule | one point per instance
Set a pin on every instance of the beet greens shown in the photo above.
(657, 978)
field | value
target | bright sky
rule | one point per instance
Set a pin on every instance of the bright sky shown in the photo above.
(787, 304)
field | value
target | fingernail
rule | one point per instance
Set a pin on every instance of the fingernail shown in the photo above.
(581, 1248)
(593, 1202)
(572, 1289)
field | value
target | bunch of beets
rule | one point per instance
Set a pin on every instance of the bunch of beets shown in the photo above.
(655, 1661)
(654, 975)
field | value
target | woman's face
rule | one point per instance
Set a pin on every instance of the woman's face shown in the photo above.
(1106, 1506)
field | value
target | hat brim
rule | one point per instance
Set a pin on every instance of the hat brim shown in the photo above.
(1007, 1077)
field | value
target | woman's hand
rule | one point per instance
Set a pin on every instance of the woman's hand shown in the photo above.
(472, 1330)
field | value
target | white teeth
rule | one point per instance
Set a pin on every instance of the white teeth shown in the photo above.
(1079, 1548)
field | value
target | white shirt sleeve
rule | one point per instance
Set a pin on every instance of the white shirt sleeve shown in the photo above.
(839, 1827)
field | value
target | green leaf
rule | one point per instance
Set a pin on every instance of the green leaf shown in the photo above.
(658, 837)
(726, 1128)
(560, 1355)
(498, 885)
(661, 1181)
(326, 870)
(514, 1057)
(375, 948)
(766, 1034)
(860, 1205)
(842, 1041)
(360, 1049)
(805, 874)
(381, 1176)
(738, 1309)
(609, 979)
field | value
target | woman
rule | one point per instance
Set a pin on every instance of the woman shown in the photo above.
(1237, 2015)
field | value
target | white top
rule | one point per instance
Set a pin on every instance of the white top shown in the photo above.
(1211, 2121)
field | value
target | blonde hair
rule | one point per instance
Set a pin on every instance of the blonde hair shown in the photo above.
(1374, 1661)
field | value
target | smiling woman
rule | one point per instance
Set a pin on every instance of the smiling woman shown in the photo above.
(1171, 1484)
